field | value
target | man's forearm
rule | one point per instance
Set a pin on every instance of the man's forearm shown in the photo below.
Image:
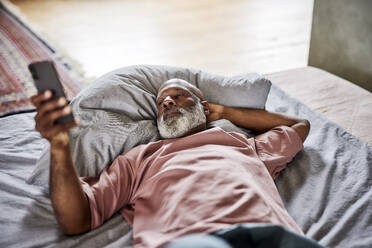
(261, 120)
(70, 204)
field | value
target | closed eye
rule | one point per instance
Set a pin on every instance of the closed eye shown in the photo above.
(174, 97)
(181, 92)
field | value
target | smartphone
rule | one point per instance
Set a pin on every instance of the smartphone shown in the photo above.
(46, 78)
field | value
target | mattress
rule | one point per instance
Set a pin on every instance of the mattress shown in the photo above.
(340, 101)
(326, 188)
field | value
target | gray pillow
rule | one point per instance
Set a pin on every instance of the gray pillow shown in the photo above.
(118, 112)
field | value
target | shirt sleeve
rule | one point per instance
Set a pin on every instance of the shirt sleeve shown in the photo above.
(278, 147)
(110, 191)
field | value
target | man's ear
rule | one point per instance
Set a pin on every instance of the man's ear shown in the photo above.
(205, 107)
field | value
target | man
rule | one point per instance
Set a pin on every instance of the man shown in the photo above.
(193, 181)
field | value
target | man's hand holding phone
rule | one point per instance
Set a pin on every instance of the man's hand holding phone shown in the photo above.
(54, 118)
(48, 111)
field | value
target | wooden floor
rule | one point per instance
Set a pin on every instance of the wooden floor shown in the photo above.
(226, 37)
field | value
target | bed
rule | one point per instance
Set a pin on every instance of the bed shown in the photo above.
(326, 188)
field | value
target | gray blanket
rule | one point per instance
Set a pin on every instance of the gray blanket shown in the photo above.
(326, 188)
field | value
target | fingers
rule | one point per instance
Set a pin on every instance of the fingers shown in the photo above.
(46, 121)
(48, 111)
(51, 133)
(42, 97)
(216, 111)
(48, 106)
(53, 130)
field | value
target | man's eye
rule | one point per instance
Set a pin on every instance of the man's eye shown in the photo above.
(176, 96)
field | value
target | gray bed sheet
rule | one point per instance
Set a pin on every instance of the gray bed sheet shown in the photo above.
(326, 188)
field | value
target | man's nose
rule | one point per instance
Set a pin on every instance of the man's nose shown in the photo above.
(168, 102)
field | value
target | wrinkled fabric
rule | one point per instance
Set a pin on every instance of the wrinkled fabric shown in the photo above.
(118, 112)
(326, 188)
(246, 235)
(201, 183)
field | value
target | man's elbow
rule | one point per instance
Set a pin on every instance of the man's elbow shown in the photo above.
(302, 128)
(70, 231)
(307, 126)
(75, 227)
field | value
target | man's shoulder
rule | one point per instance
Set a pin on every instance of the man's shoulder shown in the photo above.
(279, 137)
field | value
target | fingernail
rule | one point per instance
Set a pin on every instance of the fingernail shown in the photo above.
(67, 109)
(47, 93)
(62, 101)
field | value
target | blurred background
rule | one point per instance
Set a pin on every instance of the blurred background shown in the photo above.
(225, 37)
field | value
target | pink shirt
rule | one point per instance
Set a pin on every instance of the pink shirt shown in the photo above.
(201, 183)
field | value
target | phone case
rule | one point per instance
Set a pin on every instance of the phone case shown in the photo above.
(46, 78)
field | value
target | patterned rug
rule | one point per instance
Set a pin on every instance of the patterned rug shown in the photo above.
(19, 46)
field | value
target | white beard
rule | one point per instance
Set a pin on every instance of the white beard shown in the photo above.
(179, 125)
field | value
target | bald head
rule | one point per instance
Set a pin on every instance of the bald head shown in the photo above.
(180, 83)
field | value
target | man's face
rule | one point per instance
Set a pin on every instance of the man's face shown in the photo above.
(179, 111)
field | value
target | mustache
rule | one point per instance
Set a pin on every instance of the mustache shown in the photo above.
(182, 110)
